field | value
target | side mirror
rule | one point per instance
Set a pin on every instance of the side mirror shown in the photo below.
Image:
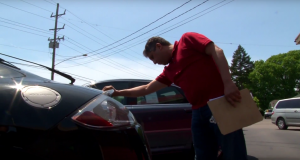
(108, 92)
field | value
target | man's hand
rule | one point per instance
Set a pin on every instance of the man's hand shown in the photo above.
(106, 88)
(232, 93)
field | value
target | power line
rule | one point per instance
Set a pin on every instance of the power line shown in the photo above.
(29, 49)
(39, 67)
(46, 32)
(98, 30)
(26, 11)
(147, 31)
(123, 67)
(85, 35)
(167, 28)
(36, 6)
(23, 24)
(88, 24)
(163, 32)
(62, 44)
(23, 30)
(23, 48)
(117, 66)
(101, 32)
(80, 28)
(121, 55)
(142, 27)
(50, 2)
(176, 26)
(113, 66)
(41, 30)
(130, 34)
(135, 74)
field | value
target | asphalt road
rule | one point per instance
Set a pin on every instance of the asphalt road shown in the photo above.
(264, 142)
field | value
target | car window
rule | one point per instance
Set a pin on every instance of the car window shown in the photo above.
(168, 95)
(118, 86)
(6, 72)
(293, 103)
(281, 105)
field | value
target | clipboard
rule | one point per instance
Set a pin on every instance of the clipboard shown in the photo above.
(229, 118)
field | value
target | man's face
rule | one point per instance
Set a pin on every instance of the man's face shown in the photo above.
(159, 56)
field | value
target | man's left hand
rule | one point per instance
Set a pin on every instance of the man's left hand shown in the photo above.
(232, 93)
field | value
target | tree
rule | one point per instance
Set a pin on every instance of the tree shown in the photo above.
(241, 67)
(276, 78)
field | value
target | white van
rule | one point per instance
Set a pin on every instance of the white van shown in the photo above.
(286, 113)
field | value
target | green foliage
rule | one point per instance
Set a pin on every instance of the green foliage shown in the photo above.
(241, 67)
(276, 78)
(256, 100)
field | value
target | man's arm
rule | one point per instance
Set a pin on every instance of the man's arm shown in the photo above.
(151, 87)
(231, 92)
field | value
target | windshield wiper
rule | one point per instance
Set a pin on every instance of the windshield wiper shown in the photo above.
(8, 63)
(50, 69)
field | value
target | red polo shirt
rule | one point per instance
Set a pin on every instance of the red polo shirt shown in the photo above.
(193, 70)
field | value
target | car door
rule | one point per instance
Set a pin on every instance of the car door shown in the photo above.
(166, 118)
(292, 112)
(119, 85)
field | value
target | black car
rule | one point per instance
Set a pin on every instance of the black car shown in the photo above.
(165, 115)
(43, 119)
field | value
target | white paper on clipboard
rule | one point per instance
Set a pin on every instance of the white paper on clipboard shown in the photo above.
(151, 98)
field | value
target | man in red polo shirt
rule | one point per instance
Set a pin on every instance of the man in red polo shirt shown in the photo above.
(200, 68)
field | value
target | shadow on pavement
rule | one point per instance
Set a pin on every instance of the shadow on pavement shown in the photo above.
(252, 158)
(183, 156)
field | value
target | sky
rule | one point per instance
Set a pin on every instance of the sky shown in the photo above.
(113, 32)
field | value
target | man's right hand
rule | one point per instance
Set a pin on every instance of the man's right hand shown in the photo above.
(151, 87)
(106, 88)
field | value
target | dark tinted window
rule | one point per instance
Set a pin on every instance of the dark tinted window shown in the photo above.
(166, 95)
(292, 103)
(116, 85)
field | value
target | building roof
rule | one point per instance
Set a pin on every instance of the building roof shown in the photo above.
(297, 40)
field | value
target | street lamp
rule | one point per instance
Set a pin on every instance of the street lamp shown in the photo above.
(66, 60)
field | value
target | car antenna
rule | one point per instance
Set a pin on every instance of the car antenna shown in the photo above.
(50, 69)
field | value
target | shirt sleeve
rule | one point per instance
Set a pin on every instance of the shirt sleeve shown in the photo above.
(196, 41)
(162, 78)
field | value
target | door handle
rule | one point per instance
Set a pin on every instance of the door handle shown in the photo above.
(188, 110)
(296, 111)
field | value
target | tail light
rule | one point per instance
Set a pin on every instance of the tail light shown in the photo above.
(104, 112)
(272, 112)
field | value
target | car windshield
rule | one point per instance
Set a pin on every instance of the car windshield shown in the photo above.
(8, 72)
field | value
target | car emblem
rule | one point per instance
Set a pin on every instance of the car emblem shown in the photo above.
(41, 97)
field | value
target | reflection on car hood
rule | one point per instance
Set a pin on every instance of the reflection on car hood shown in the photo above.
(16, 112)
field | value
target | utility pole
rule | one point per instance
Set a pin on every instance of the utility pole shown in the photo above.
(53, 42)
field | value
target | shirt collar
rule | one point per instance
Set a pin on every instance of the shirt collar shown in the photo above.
(174, 51)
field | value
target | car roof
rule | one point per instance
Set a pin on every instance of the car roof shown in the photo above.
(289, 99)
(285, 100)
(129, 80)
(125, 80)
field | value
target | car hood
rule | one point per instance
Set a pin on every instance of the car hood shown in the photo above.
(16, 111)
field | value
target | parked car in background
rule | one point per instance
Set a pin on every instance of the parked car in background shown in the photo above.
(43, 119)
(286, 113)
(165, 115)
(268, 113)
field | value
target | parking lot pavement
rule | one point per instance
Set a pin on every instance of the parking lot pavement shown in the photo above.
(264, 142)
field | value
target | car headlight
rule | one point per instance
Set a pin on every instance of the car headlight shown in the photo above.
(104, 112)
